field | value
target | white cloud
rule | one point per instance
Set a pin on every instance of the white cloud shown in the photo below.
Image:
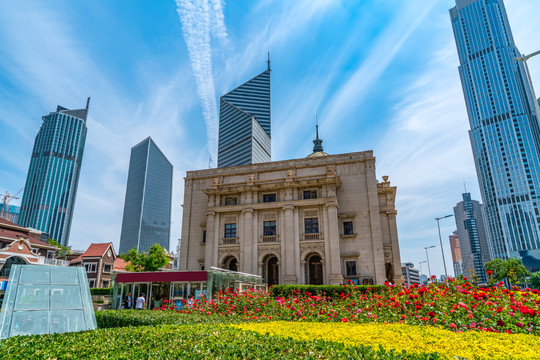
(201, 20)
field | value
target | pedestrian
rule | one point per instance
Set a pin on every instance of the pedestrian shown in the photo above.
(190, 301)
(140, 302)
(128, 301)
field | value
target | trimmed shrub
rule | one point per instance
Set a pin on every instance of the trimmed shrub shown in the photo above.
(185, 342)
(328, 290)
(100, 291)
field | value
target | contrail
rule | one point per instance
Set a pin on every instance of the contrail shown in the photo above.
(202, 20)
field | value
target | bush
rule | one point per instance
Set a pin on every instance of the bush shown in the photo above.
(328, 290)
(183, 342)
(100, 291)
(535, 280)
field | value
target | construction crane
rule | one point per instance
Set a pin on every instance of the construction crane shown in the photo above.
(5, 204)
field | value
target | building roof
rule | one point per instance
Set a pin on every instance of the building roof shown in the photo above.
(13, 231)
(120, 264)
(95, 250)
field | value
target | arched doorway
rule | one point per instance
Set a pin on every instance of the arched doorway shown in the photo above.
(230, 263)
(315, 271)
(14, 260)
(271, 269)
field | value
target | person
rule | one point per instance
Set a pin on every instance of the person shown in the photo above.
(140, 302)
(190, 301)
(128, 301)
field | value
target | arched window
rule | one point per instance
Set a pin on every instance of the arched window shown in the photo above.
(11, 261)
(315, 270)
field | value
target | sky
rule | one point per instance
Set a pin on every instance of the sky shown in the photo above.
(380, 75)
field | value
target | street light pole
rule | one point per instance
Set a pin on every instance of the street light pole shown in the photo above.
(421, 262)
(427, 258)
(524, 58)
(440, 240)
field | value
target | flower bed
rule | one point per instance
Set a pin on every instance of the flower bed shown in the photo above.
(409, 338)
(184, 342)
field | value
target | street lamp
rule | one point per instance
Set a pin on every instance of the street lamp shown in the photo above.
(427, 258)
(421, 262)
(440, 239)
(524, 58)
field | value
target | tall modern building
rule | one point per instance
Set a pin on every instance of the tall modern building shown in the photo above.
(244, 123)
(53, 176)
(455, 248)
(473, 237)
(147, 209)
(505, 129)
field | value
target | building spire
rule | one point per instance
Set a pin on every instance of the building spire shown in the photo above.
(317, 143)
(269, 61)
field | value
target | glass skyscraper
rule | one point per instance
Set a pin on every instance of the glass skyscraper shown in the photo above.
(244, 123)
(505, 129)
(473, 237)
(147, 209)
(53, 175)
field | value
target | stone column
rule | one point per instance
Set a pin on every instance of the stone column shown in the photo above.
(396, 257)
(288, 242)
(375, 223)
(217, 236)
(210, 240)
(336, 278)
(247, 242)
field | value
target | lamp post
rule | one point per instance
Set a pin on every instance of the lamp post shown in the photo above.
(524, 58)
(440, 239)
(421, 262)
(427, 258)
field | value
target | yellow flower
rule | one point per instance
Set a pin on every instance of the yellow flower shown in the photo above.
(413, 339)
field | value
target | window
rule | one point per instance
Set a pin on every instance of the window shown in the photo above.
(269, 198)
(231, 201)
(230, 231)
(204, 236)
(107, 269)
(311, 225)
(105, 284)
(92, 283)
(348, 228)
(350, 268)
(310, 194)
(90, 267)
(269, 228)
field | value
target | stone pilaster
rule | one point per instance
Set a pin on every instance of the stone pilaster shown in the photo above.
(247, 243)
(335, 278)
(210, 240)
(288, 242)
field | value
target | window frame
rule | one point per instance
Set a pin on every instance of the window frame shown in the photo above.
(313, 223)
(310, 193)
(230, 201)
(344, 227)
(353, 267)
(269, 197)
(228, 230)
(91, 265)
(267, 228)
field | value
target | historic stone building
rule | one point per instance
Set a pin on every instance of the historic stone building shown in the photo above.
(323, 219)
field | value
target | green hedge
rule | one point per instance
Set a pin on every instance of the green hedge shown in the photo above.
(327, 290)
(184, 342)
(100, 291)
(121, 318)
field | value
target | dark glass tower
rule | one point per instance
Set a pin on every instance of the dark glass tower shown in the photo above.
(53, 175)
(244, 123)
(473, 238)
(505, 129)
(147, 209)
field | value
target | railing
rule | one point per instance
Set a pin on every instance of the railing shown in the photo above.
(55, 262)
(313, 236)
(229, 241)
(269, 238)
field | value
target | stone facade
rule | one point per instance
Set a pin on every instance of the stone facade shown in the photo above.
(319, 220)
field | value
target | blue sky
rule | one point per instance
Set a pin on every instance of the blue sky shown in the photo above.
(381, 75)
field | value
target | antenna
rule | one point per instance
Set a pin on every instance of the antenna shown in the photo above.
(269, 61)
(87, 102)
(317, 125)
(210, 162)
(464, 186)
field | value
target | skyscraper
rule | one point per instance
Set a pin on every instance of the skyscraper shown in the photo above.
(473, 237)
(244, 123)
(455, 248)
(53, 175)
(505, 129)
(147, 209)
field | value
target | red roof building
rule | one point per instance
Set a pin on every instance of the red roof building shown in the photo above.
(99, 260)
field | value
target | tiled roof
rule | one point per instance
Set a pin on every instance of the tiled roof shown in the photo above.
(94, 250)
(16, 235)
(119, 264)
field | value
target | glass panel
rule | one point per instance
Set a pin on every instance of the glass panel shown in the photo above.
(67, 321)
(32, 297)
(64, 276)
(65, 297)
(30, 323)
(29, 275)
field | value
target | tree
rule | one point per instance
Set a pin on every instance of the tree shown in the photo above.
(62, 250)
(141, 261)
(512, 269)
(535, 280)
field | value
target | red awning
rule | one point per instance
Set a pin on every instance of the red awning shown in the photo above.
(161, 276)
